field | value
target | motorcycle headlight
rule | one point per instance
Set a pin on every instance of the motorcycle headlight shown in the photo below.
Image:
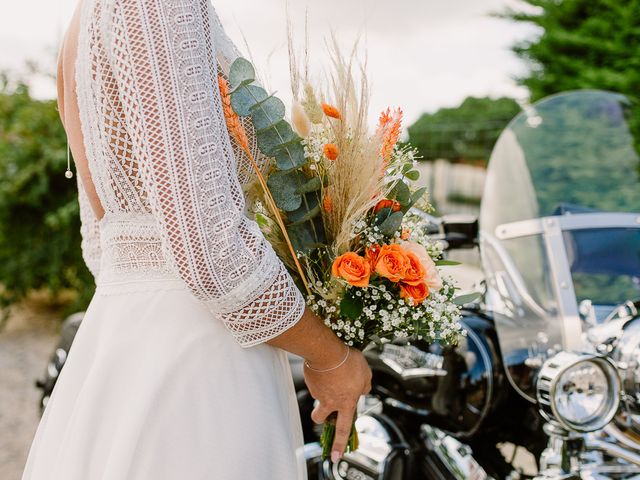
(580, 392)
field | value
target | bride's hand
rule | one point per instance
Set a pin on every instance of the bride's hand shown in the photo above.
(338, 390)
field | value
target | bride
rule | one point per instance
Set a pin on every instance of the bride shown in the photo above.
(179, 369)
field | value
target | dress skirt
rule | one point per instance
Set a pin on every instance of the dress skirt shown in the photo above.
(156, 388)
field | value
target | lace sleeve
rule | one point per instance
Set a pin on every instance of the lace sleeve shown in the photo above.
(163, 59)
(90, 232)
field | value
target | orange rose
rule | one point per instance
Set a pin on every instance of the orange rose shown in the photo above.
(371, 255)
(353, 268)
(415, 271)
(392, 262)
(395, 206)
(331, 151)
(418, 292)
(331, 111)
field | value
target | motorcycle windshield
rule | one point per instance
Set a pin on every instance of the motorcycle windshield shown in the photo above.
(569, 154)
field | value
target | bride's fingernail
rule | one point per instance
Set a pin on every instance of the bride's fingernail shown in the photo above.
(335, 456)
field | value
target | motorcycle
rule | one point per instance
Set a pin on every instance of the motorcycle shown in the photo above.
(546, 382)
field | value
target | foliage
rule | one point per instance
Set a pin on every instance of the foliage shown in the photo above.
(465, 133)
(39, 218)
(583, 44)
(566, 152)
(292, 191)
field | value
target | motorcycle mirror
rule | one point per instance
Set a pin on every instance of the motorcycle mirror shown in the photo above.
(460, 231)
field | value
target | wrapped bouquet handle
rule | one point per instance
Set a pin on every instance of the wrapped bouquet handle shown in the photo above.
(328, 436)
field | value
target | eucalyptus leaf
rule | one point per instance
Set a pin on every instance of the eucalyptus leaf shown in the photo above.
(412, 175)
(309, 209)
(401, 193)
(382, 215)
(308, 215)
(292, 191)
(274, 138)
(284, 188)
(241, 73)
(290, 155)
(417, 195)
(302, 236)
(245, 97)
(267, 113)
(466, 299)
(392, 224)
(312, 185)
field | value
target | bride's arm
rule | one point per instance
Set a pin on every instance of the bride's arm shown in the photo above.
(162, 56)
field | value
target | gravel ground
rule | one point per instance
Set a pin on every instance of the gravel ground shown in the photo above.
(25, 345)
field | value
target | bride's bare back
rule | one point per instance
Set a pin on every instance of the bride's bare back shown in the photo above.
(68, 108)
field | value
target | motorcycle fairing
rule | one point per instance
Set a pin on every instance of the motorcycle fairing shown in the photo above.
(547, 241)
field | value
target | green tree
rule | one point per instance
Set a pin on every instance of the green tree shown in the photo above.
(39, 218)
(583, 44)
(465, 133)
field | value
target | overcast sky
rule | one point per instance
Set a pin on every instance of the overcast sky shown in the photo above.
(422, 54)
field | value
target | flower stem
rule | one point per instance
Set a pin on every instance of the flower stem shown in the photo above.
(329, 433)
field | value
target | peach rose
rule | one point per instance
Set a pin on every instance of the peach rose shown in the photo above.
(331, 151)
(395, 206)
(415, 273)
(406, 233)
(353, 268)
(392, 262)
(432, 276)
(418, 292)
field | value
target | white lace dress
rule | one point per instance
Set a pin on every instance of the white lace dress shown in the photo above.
(169, 376)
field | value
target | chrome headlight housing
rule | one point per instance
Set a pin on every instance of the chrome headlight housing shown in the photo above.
(627, 357)
(579, 392)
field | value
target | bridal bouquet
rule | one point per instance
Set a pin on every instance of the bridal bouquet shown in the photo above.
(335, 201)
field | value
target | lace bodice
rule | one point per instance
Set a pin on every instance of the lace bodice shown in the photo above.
(165, 170)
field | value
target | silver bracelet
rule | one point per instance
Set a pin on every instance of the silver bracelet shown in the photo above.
(344, 360)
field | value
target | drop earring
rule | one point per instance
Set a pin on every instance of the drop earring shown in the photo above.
(68, 173)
